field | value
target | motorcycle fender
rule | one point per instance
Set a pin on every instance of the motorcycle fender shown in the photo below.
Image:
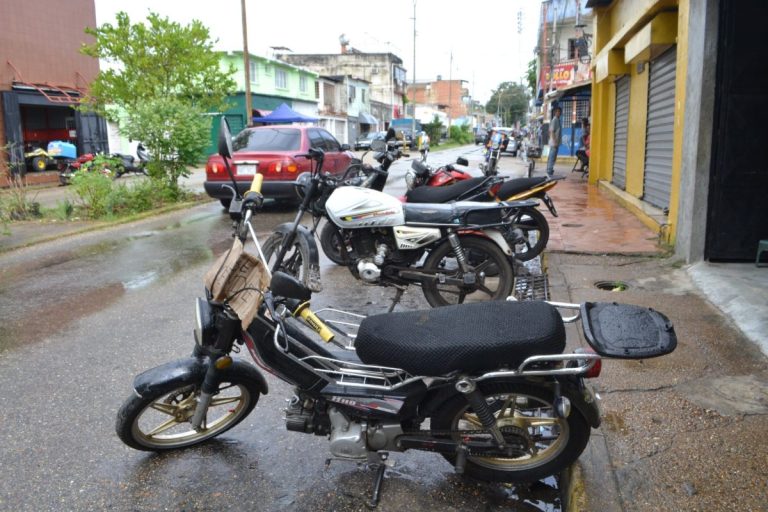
(306, 239)
(499, 240)
(584, 400)
(183, 372)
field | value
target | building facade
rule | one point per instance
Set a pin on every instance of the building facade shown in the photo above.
(383, 72)
(42, 75)
(448, 96)
(678, 120)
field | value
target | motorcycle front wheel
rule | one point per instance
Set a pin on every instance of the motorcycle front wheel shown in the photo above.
(535, 229)
(296, 259)
(493, 274)
(159, 421)
(546, 443)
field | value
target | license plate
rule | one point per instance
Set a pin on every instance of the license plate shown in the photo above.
(246, 169)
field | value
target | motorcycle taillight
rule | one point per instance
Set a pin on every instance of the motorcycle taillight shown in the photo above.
(596, 368)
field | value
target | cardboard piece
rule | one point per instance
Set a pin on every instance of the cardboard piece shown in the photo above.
(237, 276)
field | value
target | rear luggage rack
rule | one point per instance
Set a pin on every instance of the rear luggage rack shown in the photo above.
(626, 331)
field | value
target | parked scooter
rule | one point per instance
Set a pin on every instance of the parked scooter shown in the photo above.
(488, 386)
(131, 165)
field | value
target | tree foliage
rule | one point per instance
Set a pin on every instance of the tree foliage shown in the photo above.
(162, 76)
(531, 76)
(434, 129)
(510, 101)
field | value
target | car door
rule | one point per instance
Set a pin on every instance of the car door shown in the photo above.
(336, 159)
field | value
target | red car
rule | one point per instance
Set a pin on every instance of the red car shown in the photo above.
(271, 151)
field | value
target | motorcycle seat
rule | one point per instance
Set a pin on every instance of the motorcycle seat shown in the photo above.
(472, 338)
(512, 187)
(427, 194)
(461, 213)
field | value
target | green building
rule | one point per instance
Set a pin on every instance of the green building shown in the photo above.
(272, 82)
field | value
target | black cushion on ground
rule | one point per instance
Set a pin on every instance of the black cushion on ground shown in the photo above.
(471, 338)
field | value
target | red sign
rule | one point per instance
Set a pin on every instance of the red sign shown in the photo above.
(568, 73)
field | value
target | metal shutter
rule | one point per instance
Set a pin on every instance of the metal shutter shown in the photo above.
(620, 129)
(660, 129)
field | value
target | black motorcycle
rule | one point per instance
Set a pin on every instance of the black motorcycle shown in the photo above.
(486, 385)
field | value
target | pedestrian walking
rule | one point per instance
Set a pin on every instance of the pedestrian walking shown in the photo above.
(555, 137)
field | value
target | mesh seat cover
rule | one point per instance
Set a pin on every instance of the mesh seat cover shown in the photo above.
(471, 338)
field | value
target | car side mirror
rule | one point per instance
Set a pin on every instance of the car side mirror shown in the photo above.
(345, 147)
(225, 139)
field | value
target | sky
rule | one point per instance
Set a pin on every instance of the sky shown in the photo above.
(481, 36)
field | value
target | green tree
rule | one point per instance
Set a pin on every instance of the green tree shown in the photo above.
(510, 101)
(531, 75)
(434, 129)
(163, 76)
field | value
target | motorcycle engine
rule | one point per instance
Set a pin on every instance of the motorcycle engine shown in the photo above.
(301, 416)
(372, 249)
(347, 437)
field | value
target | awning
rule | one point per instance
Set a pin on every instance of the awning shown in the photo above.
(367, 119)
(260, 112)
(574, 91)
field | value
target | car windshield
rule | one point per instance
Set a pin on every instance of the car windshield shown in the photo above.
(268, 139)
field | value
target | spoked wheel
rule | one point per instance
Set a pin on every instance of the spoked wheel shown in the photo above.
(296, 259)
(546, 443)
(493, 275)
(160, 421)
(535, 230)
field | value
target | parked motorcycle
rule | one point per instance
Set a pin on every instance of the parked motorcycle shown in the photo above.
(487, 385)
(128, 164)
(382, 241)
(120, 165)
(448, 183)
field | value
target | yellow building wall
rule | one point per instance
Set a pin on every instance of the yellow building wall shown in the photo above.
(677, 149)
(636, 131)
(614, 26)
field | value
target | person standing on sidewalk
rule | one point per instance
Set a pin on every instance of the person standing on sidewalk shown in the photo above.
(555, 137)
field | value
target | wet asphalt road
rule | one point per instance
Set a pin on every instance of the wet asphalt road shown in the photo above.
(82, 316)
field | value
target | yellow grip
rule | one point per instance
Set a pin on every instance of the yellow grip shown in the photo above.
(314, 322)
(256, 183)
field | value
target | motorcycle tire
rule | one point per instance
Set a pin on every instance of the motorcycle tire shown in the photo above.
(482, 254)
(552, 443)
(332, 243)
(530, 221)
(237, 396)
(296, 259)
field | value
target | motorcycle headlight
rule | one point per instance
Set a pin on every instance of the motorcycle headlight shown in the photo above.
(410, 179)
(302, 184)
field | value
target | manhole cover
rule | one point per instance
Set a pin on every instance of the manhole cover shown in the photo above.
(572, 225)
(612, 286)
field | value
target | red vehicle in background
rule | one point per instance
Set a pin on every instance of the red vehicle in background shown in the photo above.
(272, 151)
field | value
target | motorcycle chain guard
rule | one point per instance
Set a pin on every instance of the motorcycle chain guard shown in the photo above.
(626, 331)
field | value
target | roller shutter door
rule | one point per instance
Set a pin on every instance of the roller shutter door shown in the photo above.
(620, 129)
(659, 138)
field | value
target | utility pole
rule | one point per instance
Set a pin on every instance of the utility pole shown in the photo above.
(413, 80)
(247, 66)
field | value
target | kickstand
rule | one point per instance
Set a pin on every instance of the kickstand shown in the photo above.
(396, 300)
(381, 466)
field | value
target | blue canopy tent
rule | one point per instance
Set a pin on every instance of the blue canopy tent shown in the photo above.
(284, 114)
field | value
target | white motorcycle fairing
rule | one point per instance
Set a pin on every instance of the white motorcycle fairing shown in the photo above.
(357, 207)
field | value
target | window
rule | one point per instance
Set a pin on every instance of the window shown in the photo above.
(315, 139)
(281, 79)
(254, 71)
(268, 139)
(362, 95)
(331, 144)
(317, 90)
(303, 83)
(351, 93)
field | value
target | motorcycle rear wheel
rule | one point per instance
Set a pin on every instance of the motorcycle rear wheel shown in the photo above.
(332, 243)
(531, 222)
(160, 421)
(296, 259)
(554, 443)
(495, 283)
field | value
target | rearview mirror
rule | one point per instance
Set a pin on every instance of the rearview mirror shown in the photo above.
(462, 161)
(225, 139)
(378, 145)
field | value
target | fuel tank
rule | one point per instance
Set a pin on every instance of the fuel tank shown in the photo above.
(357, 207)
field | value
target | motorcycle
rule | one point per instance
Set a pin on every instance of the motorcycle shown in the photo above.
(488, 385)
(448, 183)
(128, 164)
(120, 165)
(382, 241)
